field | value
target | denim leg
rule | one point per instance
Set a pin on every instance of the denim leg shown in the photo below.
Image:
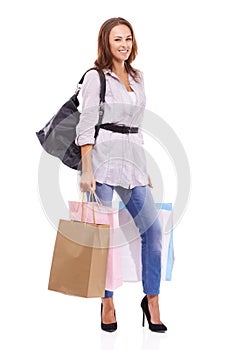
(139, 202)
(105, 194)
(108, 294)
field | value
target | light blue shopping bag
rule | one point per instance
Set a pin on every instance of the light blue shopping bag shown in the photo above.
(131, 252)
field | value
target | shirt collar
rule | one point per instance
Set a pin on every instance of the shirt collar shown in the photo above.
(109, 71)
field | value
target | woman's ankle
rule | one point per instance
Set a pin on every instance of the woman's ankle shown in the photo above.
(108, 301)
(152, 298)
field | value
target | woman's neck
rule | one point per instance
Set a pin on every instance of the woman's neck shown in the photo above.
(119, 68)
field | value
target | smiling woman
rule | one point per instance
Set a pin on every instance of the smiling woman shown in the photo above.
(121, 44)
(117, 43)
(115, 160)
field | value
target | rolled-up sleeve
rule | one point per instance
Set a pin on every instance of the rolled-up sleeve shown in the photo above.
(85, 130)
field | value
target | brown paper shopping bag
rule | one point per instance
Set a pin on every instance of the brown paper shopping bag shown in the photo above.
(96, 212)
(80, 259)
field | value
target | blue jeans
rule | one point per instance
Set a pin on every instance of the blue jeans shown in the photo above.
(140, 204)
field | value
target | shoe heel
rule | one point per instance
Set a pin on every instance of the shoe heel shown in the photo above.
(143, 320)
(158, 327)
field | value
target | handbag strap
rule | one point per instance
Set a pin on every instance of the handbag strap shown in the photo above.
(102, 84)
(102, 95)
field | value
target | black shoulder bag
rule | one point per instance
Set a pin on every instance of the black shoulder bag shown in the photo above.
(57, 137)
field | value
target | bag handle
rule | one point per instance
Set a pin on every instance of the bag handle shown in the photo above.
(102, 95)
(93, 209)
(97, 200)
(102, 83)
(83, 209)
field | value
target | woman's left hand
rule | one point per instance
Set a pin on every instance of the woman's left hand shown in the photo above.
(150, 182)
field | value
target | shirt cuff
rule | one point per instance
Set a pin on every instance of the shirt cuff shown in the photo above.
(85, 140)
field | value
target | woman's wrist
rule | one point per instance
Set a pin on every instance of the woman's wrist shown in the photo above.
(86, 151)
(87, 171)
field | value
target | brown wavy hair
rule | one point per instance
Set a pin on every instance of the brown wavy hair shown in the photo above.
(104, 59)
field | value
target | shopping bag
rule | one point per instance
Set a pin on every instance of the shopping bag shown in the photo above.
(167, 253)
(131, 250)
(96, 212)
(80, 259)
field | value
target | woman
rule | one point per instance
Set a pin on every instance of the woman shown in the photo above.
(116, 160)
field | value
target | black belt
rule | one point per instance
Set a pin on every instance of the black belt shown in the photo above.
(123, 129)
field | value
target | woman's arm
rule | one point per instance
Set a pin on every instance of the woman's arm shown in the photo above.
(85, 129)
(87, 182)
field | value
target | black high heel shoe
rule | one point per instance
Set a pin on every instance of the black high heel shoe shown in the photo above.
(110, 327)
(152, 326)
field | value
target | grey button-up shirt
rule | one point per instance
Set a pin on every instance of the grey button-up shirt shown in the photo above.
(118, 159)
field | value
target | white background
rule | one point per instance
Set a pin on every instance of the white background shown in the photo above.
(183, 51)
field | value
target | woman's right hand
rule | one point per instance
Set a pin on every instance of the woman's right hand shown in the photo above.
(87, 182)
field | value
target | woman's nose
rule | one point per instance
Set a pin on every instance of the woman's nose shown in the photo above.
(123, 43)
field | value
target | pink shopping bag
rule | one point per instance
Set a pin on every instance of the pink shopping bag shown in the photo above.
(93, 212)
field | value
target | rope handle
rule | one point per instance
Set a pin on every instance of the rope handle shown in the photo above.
(97, 200)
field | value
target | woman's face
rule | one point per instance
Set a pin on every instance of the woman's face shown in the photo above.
(120, 41)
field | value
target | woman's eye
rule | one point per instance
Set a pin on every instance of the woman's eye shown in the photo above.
(128, 39)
